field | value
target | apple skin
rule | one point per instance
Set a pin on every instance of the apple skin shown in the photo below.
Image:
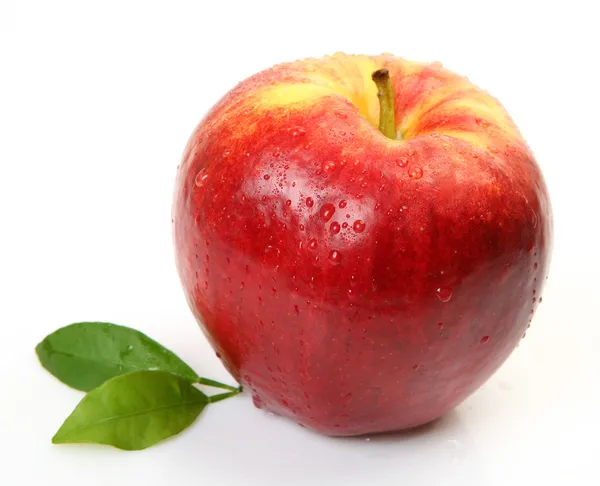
(354, 283)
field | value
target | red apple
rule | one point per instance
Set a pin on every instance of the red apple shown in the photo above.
(359, 280)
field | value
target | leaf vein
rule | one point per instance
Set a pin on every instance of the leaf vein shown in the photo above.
(138, 412)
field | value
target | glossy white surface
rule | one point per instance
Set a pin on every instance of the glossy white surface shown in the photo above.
(96, 104)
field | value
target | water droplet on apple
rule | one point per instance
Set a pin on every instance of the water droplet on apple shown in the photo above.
(296, 310)
(242, 285)
(201, 178)
(335, 257)
(416, 367)
(540, 300)
(340, 114)
(258, 403)
(266, 177)
(344, 225)
(535, 266)
(377, 206)
(335, 227)
(288, 202)
(485, 339)
(440, 325)
(272, 251)
(248, 379)
(444, 294)
(342, 204)
(328, 166)
(298, 132)
(359, 226)
(312, 244)
(482, 122)
(309, 202)
(415, 172)
(402, 162)
(327, 212)
(348, 396)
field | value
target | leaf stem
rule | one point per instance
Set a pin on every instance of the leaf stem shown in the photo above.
(216, 384)
(223, 396)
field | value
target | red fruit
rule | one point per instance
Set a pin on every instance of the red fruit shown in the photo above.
(321, 257)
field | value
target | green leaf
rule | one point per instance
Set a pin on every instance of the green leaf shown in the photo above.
(86, 354)
(133, 411)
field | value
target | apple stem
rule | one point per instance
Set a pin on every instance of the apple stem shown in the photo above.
(385, 93)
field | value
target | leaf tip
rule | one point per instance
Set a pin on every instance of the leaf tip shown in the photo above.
(57, 439)
(61, 436)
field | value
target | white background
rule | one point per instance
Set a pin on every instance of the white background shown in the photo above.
(97, 100)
